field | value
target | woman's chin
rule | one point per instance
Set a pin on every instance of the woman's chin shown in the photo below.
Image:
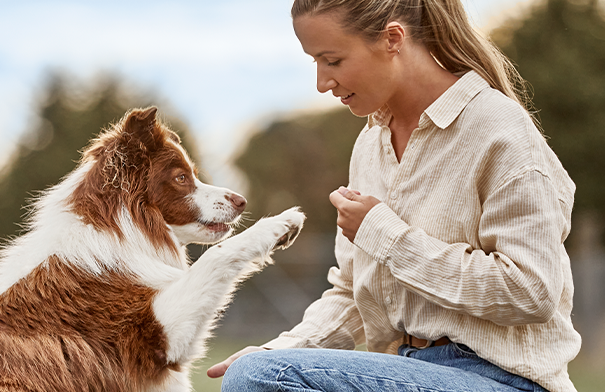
(359, 109)
(359, 112)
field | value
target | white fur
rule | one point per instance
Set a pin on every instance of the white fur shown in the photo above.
(188, 299)
(188, 306)
(55, 230)
(215, 207)
(176, 382)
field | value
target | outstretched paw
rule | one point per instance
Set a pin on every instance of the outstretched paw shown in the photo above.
(287, 239)
(294, 219)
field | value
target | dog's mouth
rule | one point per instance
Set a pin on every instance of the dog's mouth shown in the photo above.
(206, 231)
(218, 226)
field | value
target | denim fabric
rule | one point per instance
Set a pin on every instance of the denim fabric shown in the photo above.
(450, 368)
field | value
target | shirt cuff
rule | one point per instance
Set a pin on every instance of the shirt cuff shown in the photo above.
(282, 342)
(378, 231)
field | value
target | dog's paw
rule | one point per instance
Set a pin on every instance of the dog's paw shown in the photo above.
(294, 219)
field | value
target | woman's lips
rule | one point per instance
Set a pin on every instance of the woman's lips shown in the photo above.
(346, 100)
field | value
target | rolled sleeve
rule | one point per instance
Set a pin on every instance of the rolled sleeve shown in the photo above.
(379, 231)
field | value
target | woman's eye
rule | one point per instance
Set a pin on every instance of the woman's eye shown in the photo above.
(333, 63)
(180, 179)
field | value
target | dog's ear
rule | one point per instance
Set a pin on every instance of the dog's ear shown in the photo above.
(141, 124)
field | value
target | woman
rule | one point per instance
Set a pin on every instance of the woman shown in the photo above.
(450, 242)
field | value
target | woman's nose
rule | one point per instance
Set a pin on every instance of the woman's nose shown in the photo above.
(325, 82)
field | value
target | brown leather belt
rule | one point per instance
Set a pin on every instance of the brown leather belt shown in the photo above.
(415, 342)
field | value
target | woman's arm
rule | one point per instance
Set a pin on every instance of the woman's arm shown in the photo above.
(333, 321)
(330, 322)
(515, 278)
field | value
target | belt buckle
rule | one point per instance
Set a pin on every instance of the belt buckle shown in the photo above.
(408, 340)
(429, 343)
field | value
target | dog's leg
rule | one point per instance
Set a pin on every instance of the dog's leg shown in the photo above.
(188, 306)
(175, 382)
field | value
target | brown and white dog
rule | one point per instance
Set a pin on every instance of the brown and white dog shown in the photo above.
(98, 295)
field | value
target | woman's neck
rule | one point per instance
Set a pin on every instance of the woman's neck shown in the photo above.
(423, 81)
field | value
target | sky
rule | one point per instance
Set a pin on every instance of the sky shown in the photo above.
(226, 67)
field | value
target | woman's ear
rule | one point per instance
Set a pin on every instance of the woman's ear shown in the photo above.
(394, 34)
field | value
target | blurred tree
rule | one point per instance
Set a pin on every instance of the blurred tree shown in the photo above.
(295, 161)
(299, 162)
(559, 47)
(69, 116)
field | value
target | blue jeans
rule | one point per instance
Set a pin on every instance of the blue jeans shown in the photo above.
(452, 367)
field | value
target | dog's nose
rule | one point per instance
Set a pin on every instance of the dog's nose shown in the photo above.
(238, 202)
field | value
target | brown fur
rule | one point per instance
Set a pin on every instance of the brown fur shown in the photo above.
(64, 329)
(75, 320)
(135, 165)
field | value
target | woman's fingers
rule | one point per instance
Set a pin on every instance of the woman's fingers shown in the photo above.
(219, 369)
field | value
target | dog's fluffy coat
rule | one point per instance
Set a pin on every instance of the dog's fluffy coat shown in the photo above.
(98, 295)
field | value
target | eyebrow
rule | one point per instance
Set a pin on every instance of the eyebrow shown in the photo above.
(323, 53)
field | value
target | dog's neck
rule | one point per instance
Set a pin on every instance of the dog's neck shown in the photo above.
(54, 230)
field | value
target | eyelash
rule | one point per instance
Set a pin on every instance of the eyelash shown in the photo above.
(333, 64)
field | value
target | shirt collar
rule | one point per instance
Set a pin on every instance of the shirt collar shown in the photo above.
(446, 108)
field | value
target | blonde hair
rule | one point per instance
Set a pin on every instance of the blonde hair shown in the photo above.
(442, 25)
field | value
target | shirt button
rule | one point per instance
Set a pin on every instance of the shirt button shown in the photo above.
(394, 195)
(387, 300)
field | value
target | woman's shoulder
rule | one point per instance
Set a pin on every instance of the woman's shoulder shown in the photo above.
(506, 138)
(498, 113)
(495, 121)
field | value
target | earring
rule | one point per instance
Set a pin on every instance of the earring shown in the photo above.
(398, 52)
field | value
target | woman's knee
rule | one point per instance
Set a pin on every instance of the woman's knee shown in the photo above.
(251, 372)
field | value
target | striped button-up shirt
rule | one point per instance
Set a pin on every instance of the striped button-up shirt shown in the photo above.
(467, 242)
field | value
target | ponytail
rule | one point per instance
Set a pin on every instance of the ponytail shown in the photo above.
(442, 25)
(458, 47)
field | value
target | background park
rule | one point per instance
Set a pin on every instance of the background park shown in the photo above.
(232, 78)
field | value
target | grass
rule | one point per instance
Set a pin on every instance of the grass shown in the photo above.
(586, 376)
(220, 349)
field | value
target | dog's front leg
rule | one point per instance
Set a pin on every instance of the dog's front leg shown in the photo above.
(188, 306)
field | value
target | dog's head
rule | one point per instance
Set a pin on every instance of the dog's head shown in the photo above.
(138, 166)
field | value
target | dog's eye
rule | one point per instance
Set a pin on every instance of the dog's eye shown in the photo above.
(180, 179)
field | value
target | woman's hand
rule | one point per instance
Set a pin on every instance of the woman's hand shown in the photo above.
(219, 369)
(352, 208)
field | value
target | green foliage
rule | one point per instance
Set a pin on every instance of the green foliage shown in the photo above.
(299, 162)
(559, 48)
(69, 116)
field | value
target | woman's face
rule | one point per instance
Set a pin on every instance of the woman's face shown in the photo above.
(358, 72)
